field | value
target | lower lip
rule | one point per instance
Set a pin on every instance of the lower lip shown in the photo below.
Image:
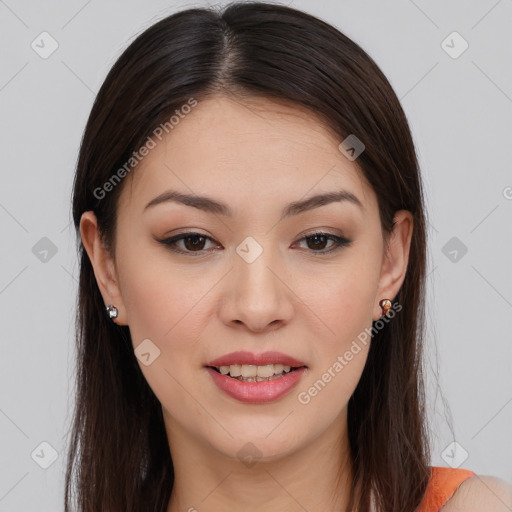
(256, 392)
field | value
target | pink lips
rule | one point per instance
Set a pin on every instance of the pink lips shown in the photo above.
(262, 359)
(256, 392)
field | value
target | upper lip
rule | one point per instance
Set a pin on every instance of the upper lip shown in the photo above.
(264, 358)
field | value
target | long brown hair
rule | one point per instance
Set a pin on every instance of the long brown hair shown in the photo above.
(119, 457)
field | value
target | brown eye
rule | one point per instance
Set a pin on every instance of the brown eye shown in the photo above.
(192, 243)
(195, 242)
(316, 242)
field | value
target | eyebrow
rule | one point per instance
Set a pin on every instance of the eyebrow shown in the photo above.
(210, 205)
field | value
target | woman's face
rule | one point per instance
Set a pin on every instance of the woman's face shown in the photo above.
(250, 279)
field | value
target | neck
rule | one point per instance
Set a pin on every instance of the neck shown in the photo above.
(306, 479)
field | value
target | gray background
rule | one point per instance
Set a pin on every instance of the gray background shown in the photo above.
(460, 114)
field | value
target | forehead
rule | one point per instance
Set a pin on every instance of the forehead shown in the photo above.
(255, 149)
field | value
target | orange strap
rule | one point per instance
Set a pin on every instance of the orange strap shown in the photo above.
(443, 483)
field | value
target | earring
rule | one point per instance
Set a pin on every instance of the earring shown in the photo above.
(385, 304)
(112, 311)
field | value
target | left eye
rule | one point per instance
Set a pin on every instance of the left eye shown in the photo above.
(321, 238)
(194, 242)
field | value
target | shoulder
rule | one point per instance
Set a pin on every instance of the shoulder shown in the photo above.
(481, 492)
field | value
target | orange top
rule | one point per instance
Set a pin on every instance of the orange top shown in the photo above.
(443, 483)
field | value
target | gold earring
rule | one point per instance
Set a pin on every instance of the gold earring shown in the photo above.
(385, 304)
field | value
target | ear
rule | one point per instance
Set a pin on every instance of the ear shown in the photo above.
(395, 259)
(103, 265)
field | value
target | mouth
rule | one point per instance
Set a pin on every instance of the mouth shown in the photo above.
(256, 378)
(254, 373)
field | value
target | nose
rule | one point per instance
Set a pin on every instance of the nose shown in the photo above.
(257, 294)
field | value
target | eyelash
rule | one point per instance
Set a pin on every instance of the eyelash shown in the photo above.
(340, 242)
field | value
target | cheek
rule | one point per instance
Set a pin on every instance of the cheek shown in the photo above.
(167, 306)
(323, 399)
(342, 300)
(162, 300)
(340, 353)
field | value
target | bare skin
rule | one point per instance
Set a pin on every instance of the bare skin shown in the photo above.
(481, 492)
(257, 158)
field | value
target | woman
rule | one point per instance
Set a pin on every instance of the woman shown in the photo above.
(252, 237)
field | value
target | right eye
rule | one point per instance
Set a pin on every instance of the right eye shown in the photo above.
(192, 242)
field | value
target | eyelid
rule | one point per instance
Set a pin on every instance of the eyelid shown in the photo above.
(170, 242)
(339, 240)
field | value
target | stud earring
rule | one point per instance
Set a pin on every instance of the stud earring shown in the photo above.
(385, 304)
(112, 312)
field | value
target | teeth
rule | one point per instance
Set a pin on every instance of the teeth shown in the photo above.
(262, 371)
(256, 372)
(249, 370)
